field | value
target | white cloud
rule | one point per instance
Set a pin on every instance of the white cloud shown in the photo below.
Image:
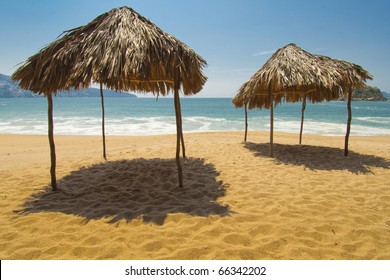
(237, 70)
(263, 53)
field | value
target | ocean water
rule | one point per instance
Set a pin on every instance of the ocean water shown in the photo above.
(148, 116)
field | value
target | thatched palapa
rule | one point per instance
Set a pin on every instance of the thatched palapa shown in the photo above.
(121, 50)
(294, 75)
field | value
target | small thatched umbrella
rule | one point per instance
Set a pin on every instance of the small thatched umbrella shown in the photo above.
(294, 75)
(121, 50)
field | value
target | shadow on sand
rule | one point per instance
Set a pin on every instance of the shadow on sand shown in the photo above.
(319, 158)
(131, 189)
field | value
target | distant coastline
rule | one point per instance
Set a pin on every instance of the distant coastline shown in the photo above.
(369, 94)
(11, 89)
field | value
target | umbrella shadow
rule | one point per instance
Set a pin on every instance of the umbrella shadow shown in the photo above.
(132, 189)
(319, 158)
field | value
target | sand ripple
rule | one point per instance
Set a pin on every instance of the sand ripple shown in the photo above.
(309, 202)
(129, 189)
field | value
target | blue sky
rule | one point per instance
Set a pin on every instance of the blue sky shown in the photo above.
(236, 37)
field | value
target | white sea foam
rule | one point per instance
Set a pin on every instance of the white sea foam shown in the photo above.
(379, 120)
(141, 126)
(327, 128)
(77, 117)
(167, 125)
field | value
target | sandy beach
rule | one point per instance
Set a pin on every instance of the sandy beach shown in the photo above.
(309, 202)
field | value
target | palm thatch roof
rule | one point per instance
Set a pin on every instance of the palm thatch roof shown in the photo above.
(120, 49)
(292, 73)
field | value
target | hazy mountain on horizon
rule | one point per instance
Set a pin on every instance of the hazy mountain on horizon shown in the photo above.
(11, 89)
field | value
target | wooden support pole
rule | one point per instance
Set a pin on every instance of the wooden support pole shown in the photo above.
(182, 139)
(349, 120)
(103, 128)
(302, 118)
(178, 130)
(271, 137)
(181, 127)
(51, 142)
(246, 122)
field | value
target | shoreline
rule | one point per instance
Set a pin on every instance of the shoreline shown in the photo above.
(157, 118)
(252, 131)
(309, 202)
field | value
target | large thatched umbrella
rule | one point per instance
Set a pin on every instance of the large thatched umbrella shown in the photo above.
(294, 75)
(121, 50)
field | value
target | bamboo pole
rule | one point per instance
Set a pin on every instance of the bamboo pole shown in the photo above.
(178, 129)
(302, 118)
(349, 120)
(271, 137)
(51, 142)
(103, 129)
(246, 122)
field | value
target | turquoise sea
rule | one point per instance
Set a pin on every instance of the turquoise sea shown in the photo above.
(148, 116)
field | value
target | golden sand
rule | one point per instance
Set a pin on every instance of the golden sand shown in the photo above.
(309, 202)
